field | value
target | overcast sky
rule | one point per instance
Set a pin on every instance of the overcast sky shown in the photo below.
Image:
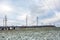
(48, 12)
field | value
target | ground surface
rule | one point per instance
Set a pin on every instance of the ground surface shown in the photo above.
(31, 34)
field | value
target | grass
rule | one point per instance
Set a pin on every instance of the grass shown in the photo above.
(34, 29)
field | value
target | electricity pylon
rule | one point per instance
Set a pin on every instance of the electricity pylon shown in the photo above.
(5, 21)
(26, 21)
(37, 21)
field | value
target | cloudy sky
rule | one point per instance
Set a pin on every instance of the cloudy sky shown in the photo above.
(48, 12)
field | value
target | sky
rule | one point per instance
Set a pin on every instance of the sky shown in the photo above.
(47, 11)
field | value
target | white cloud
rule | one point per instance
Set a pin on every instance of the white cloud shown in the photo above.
(39, 7)
(55, 18)
(1, 22)
(48, 4)
(51, 3)
(42, 7)
(22, 15)
(11, 22)
(5, 9)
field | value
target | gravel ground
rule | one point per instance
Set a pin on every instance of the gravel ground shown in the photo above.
(29, 35)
